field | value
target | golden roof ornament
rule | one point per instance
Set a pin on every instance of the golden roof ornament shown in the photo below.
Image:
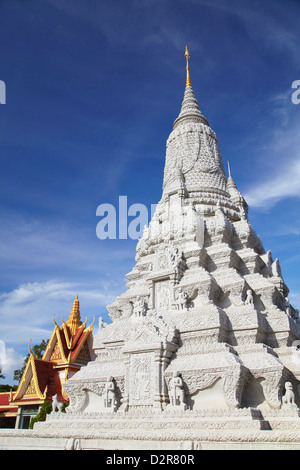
(187, 56)
(30, 350)
(74, 321)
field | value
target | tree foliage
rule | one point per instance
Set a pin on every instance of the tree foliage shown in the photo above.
(45, 409)
(7, 388)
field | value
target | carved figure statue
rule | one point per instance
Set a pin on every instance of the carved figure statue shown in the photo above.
(276, 270)
(110, 393)
(176, 393)
(175, 255)
(287, 306)
(56, 403)
(139, 307)
(181, 299)
(289, 396)
(102, 324)
(249, 298)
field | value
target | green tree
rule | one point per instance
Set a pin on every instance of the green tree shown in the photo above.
(38, 351)
(6, 387)
(45, 409)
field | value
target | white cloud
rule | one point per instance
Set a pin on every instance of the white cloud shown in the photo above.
(33, 250)
(295, 299)
(61, 262)
(2, 354)
(277, 164)
(284, 183)
(27, 313)
(10, 360)
(40, 243)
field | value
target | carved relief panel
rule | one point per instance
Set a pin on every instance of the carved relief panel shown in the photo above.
(141, 391)
(162, 300)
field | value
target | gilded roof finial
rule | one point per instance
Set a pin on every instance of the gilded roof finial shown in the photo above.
(75, 309)
(74, 321)
(187, 56)
(30, 350)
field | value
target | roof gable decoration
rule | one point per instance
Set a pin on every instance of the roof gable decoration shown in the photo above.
(67, 340)
(29, 385)
(56, 350)
(71, 342)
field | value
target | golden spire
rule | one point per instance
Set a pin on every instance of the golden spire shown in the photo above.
(187, 56)
(75, 310)
(74, 321)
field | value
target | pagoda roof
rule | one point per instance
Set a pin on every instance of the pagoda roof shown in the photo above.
(5, 403)
(68, 341)
(40, 381)
(71, 342)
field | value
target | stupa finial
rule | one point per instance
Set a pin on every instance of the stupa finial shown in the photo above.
(187, 56)
(190, 111)
(229, 172)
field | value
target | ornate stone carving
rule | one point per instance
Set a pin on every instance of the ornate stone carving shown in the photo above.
(249, 298)
(56, 404)
(273, 386)
(206, 314)
(176, 392)
(140, 307)
(141, 380)
(181, 299)
(162, 296)
(233, 387)
(289, 396)
(110, 394)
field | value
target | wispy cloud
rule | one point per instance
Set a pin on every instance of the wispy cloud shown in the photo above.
(263, 22)
(295, 298)
(58, 247)
(45, 265)
(10, 360)
(26, 312)
(278, 176)
(284, 183)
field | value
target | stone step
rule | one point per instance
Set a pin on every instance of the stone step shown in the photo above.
(206, 439)
(203, 424)
(119, 438)
(284, 419)
(183, 421)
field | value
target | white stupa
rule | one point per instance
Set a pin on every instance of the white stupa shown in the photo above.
(202, 348)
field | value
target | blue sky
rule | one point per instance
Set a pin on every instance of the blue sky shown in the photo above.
(92, 90)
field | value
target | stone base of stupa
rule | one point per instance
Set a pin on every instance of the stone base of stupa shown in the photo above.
(213, 429)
